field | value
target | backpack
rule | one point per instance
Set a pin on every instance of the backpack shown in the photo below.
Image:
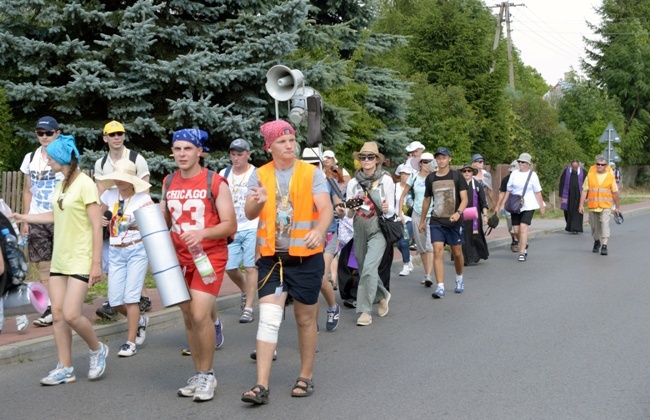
(8, 279)
(133, 155)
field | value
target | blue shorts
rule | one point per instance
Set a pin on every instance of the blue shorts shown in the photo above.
(302, 277)
(242, 250)
(127, 268)
(449, 235)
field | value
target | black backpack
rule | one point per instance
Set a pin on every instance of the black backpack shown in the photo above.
(8, 279)
(133, 155)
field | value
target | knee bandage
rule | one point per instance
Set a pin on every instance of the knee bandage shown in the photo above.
(270, 320)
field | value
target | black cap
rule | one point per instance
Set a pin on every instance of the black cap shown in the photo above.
(240, 145)
(442, 151)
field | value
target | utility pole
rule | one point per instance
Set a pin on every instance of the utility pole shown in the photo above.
(504, 14)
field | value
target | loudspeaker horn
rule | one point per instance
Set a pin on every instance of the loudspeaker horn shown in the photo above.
(282, 82)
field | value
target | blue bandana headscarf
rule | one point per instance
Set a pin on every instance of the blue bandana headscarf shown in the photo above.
(193, 135)
(61, 150)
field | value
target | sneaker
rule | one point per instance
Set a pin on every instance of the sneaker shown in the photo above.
(189, 389)
(205, 387)
(98, 362)
(246, 316)
(428, 281)
(242, 301)
(514, 246)
(405, 271)
(145, 304)
(596, 246)
(218, 329)
(603, 250)
(128, 349)
(410, 265)
(21, 322)
(45, 320)
(383, 306)
(60, 375)
(106, 311)
(412, 248)
(460, 286)
(142, 330)
(186, 351)
(364, 319)
(253, 355)
(333, 319)
(522, 257)
(350, 303)
(439, 293)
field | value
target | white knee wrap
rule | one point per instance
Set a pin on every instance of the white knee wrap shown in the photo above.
(270, 320)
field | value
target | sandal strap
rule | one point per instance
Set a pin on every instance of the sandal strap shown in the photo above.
(309, 382)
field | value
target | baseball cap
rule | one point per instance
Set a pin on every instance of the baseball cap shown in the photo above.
(403, 168)
(47, 123)
(442, 151)
(330, 154)
(240, 145)
(114, 127)
(414, 145)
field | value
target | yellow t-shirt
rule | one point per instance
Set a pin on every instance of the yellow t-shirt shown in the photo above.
(73, 236)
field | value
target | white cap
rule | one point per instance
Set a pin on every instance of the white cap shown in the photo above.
(404, 168)
(415, 145)
(330, 154)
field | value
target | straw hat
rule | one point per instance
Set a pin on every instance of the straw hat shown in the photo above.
(369, 147)
(124, 170)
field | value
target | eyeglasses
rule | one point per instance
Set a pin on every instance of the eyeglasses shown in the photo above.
(479, 161)
(120, 208)
(521, 161)
(467, 171)
(45, 133)
(601, 164)
(367, 157)
(117, 133)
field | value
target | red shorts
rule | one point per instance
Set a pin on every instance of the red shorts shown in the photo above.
(195, 282)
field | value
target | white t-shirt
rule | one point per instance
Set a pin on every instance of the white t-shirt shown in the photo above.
(385, 191)
(516, 186)
(43, 182)
(119, 225)
(238, 185)
(141, 167)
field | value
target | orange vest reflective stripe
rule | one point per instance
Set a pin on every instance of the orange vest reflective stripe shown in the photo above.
(305, 214)
(599, 196)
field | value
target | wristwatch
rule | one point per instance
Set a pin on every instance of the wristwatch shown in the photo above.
(459, 212)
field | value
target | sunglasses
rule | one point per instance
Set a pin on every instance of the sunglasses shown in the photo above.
(117, 133)
(426, 162)
(45, 133)
(521, 161)
(601, 164)
(467, 171)
(479, 161)
(367, 157)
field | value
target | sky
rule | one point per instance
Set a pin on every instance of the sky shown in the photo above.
(548, 33)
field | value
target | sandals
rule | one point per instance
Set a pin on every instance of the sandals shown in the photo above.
(261, 395)
(308, 388)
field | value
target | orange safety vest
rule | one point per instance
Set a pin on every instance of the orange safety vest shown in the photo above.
(305, 213)
(599, 196)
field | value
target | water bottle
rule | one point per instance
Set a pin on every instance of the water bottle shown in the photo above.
(406, 233)
(503, 212)
(6, 210)
(12, 252)
(203, 263)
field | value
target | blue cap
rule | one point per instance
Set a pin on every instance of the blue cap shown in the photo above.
(47, 123)
(442, 151)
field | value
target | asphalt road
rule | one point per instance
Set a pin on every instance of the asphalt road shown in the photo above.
(561, 336)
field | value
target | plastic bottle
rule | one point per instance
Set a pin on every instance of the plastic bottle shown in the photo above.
(12, 256)
(406, 233)
(203, 264)
(6, 210)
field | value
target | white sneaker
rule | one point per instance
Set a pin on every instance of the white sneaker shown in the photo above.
(410, 265)
(142, 330)
(128, 349)
(21, 322)
(205, 387)
(189, 389)
(98, 362)
(405, 271)
(60, 375)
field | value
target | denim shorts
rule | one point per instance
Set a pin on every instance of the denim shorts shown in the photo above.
(447, 234)
(242, 250)
(127, 268)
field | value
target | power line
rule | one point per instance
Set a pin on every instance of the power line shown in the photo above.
(553, 32)
(551, 47)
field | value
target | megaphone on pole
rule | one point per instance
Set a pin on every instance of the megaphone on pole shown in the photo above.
(282, 82)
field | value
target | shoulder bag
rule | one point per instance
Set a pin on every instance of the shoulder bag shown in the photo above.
(515, 202)
(392, 227)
